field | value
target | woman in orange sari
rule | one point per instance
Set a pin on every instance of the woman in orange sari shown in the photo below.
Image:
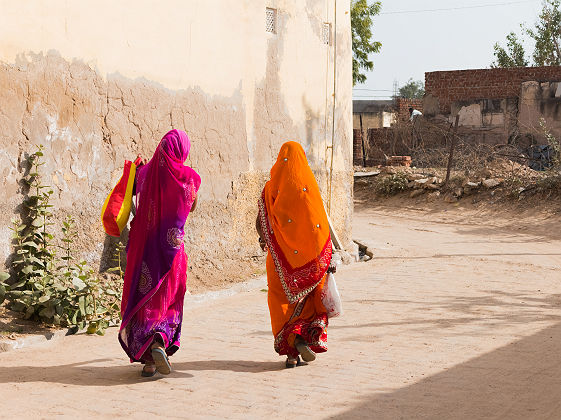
(293, 226)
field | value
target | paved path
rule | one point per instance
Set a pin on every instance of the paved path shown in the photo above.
(450, 321)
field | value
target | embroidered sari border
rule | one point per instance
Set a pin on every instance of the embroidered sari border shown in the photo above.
(285, 271)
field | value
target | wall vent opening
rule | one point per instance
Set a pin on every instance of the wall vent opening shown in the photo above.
(271, 20)
(326, 34)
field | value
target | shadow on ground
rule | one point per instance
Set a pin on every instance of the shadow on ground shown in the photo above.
(80, 373)
(492, 221)
(246, 366)
(13, 323)
(519, 381)
(495, 307)
(88, 374)
(460, 255)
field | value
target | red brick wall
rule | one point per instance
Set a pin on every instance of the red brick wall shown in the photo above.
(403, 105)
(383, 142)
(451, 86)
(357, 148)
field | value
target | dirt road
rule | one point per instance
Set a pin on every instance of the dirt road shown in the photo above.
(457, 317)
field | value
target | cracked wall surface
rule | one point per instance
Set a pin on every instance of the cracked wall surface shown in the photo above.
(238, 100)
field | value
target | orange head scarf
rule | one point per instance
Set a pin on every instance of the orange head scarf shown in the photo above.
(294, 223)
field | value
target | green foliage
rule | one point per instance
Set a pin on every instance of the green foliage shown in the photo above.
(546, 36)
(3, 277)
(512, 56)
(554, 143)
(392, 185)
(412, 89)
(361, 30)
(551, 185)
(118, 262)
(34, 251)
(69, 294)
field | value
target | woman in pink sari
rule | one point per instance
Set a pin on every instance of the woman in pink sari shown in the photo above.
(156, 273)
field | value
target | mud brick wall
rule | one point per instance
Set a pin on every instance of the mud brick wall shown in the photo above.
(386, 141)
(403, 105)
(378, 145)
(357, 147)
(461, 85)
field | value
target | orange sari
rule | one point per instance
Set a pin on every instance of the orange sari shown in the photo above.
(295, 228)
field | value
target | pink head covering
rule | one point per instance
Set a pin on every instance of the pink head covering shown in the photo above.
(176, 145)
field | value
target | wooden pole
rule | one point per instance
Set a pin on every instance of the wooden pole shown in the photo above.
(362, 140)
(452, 144)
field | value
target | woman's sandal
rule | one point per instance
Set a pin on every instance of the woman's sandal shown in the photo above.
(292, 363)
(306, 352)
(148, 370)
(161, 359)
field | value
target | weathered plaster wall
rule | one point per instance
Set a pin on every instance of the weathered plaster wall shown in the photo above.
(98, 82)
(369, 120)
(491, 121)
(540, 101)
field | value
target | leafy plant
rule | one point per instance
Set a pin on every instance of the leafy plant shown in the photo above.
(69, 294)
(3, 277)
(361, 30)
(553, 142)
(393, 184)
(33, 264)
(550, 185)
(93, 304)
(117, 260)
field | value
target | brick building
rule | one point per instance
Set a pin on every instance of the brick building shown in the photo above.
(495, 106)
(464, 85)
(373, 120)
(499, 105)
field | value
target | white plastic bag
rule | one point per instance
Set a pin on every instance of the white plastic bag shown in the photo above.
(331, 298)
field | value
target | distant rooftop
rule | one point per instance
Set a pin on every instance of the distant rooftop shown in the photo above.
(365, 106)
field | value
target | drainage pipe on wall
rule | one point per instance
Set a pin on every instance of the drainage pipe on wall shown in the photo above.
(334, 101)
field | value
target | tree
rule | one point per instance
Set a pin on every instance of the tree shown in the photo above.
(546, 36)
(513, 55)
(361, 30)
(412, 90)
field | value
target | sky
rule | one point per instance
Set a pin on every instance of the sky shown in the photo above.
(418, 42)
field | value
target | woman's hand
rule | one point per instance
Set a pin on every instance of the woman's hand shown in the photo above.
(194, 205)
(262, 244)
(139, 161)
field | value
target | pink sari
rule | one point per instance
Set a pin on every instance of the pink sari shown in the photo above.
(156, 273)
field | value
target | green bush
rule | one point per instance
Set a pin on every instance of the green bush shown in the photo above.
(554, 143)
(392, 185)
(68, 294)
(550, 184)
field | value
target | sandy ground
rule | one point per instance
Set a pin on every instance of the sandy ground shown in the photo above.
(457, 317)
